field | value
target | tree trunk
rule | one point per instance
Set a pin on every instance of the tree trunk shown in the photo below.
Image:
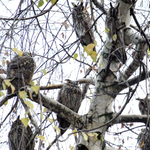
(100, 114)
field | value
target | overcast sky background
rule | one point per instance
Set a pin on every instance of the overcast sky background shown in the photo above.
(129, 138)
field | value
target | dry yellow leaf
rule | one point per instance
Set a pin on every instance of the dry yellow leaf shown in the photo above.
(57, 129)
(115, 37)
(142, 145)
(91, 134)
(12, 88)
(41, 137)
(50, 120)
(25, 121)
(6, 103)
(7, 82)
(1, 93)
(35, 88)
(84, 136)
(17, 51)
(106, 30)
(75, 134)
(71, 147)
(29, 104)
(23, 94)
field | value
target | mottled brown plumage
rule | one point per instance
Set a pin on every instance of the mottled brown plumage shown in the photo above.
(20, 71)
(83, 25)
(19, 136)
(70, 96)
(115, 34)
(144, 139)
(144, 105)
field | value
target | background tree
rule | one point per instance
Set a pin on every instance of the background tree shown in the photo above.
(45, 29)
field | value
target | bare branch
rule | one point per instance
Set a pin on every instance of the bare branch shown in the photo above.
(134, 80)
(140, 53)
(60, 109)
(14, 106)
(131, 118)
(58, 86)
(137, 23)
(41, 14)
(6, 98)
(99, 6)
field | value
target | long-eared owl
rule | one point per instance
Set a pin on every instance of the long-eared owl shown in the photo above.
(83, 25)
(144, 139)
(144, 105)
(19, 136)
(70, 96)
(20, 71)
(115, 34)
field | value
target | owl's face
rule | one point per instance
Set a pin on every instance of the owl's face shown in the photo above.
(79, 11)
(72, 83)
(16, 123)
(114, 11)
(78, 8)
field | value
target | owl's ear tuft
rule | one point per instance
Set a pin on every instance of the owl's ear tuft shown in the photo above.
(18, 118)
(74, 5)
(118, 5)
(139, 99)
(81, 3)
(111, 5)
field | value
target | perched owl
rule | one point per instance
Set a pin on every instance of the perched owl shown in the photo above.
(19, 136)
(144, 139)
(144, 105)
(82, 25)
(115, 34)
(70, 96)
(20, 71)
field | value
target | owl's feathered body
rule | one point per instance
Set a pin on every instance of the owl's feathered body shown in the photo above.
(115, 29)
(144, 139)
(20, 71)
(19, 136)
(70, 96)
(83, 25)
(144, 105)
(125, 6)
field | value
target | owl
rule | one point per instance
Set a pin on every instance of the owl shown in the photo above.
(19, 136)
(83, 25)
(70, 95)
(115, 33)
(20, 71)
(144, 105)
(144, 139)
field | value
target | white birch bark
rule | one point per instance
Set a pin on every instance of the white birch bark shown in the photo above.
(103, 97)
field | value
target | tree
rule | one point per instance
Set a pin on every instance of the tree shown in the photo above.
(46, 30)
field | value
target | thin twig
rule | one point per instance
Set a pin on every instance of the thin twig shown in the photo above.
(14, 106)
(137, 23)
